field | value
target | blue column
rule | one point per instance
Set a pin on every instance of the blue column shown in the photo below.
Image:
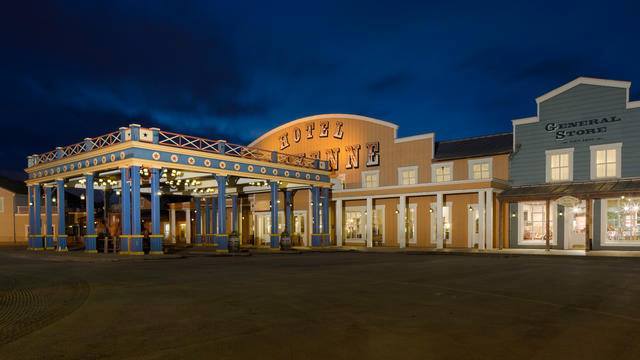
(31, 218)
(222, 238)
(275, 235)
(198, 214)
(125, 211)
(234, 213)
(62, 226)
(315, 209)
(90, 232)
(288, 208)
(156, 236)
(48, 232)
(325, 216)
(37, 219)
(136, 236)
(214, 219)
(207, 222)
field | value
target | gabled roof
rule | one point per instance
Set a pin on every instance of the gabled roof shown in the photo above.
(15, 186)
(583, 80)
(474, 147)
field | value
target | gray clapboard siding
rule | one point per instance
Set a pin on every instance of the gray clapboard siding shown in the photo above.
(583, 102)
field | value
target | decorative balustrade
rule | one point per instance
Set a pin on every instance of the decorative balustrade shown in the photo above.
(185, 142)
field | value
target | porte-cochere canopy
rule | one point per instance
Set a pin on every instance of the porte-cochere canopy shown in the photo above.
(136, 160)
(156, 148)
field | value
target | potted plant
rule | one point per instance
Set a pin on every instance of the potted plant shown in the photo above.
(285, 241)
(234, 242)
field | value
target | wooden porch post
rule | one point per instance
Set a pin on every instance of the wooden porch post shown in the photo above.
(587, 237)
(500, 221)
(548, 225)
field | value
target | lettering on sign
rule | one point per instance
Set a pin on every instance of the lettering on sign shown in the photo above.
(338, 133)
(373, 154)
(324, 129)
(353, 156)
(332, 155)
(570, 129)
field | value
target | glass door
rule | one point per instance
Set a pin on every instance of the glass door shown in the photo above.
(576, 225)
(263, 228)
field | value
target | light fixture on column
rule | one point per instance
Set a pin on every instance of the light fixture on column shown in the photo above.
(82, 197)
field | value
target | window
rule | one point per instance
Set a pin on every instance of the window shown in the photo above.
(378, 223)
(606, 161)
(533, 222)
(559, 165)
(480, 169)
(446, 215)
(354, 225)
(442, 172)
(408, 175)
(622, 221)
(370, 179)
(1, 204)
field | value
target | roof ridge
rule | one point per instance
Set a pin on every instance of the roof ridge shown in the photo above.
(475, 137)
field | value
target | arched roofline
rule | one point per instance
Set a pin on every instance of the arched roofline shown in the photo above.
(323, 117)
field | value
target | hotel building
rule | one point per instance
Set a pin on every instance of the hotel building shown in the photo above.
(563, 179)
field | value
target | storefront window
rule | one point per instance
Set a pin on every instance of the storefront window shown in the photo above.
(354, 225)
(446, 215)
(411, 223)
(533, 225)
(378, 223)
(622, 220)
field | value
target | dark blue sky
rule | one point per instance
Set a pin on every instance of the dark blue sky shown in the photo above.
(234, 69)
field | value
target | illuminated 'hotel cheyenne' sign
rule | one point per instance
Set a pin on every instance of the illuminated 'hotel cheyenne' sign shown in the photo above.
(336, 128)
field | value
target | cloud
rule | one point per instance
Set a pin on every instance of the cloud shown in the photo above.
(392, 82)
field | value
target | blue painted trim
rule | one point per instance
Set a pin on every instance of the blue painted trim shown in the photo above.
(155, 241)
(275, 240)
(125, 212)
(136, 240)
(198, 219)
(90, 232)
(62, 233)
(222, 238)
(48, 233)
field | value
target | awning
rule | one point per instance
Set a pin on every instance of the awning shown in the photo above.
(581, 190)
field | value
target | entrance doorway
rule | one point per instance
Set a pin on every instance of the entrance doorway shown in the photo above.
(575, 225)
(473, 220)
(263, 228)
(298, 234)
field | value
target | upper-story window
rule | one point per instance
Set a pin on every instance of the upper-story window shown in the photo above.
(480, 169)
(442, 172)
(1, 204)
(559, 165)
(370, 179)
(606, 161)
(408, 175)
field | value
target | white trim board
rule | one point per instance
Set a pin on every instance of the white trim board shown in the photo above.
(583, 81)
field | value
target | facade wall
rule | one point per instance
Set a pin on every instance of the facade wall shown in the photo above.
(579, 117)
(583, 102)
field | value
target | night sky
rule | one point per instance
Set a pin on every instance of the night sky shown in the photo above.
(235, 69)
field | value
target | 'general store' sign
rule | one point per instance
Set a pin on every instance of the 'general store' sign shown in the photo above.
(567, 130)
(324, 130)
